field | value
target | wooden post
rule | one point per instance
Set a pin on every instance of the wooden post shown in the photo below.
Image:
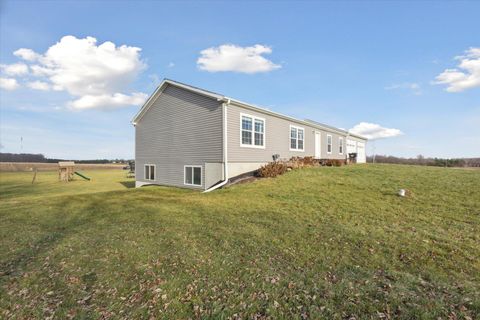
(34, 176)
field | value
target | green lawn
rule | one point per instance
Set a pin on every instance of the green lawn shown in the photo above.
(315, 243)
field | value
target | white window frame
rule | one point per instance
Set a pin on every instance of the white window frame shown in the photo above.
(185, 175)
(253, 131)
(154, 169)
(330, 144)
(290, 138)
(340, 145)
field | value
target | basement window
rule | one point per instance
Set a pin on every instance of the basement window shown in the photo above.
(193, 175)
(296, 138)
(150, 172)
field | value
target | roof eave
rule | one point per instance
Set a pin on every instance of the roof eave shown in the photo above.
(147, 103)
(289, 118)
(357, 136)
(222, 98)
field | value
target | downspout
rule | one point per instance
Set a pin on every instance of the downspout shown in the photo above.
(225, 149)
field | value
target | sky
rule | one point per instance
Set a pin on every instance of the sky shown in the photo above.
(405, 74)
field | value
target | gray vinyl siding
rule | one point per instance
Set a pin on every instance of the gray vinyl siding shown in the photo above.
(277, 139)
(335, 146)
(180, 128)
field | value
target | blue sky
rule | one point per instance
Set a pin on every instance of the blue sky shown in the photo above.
(409, 70)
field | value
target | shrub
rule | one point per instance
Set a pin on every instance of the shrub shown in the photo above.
(299, 162)
(276, 168)
(338, 162)
(294, 163)
(272, 169)
(333, 162)
(309, 161)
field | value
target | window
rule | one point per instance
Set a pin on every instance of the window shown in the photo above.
(293, 138)
(258, 132)
(340, 145)
(246, 130)
(150, 172)
(252, 131)
(329, 143)
(193, 175)
(297, 138)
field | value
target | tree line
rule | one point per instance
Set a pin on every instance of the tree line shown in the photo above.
(421, 160)
(30, 157)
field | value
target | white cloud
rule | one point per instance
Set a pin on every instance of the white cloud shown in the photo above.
(373, 131)
(26, 54)
(96, 75)
(15, 69)
(171, 65)
(40, 71)
(467, 76)
(8, 84)
(39, 85)
(415, 88)
(107, 101)
(229, 57)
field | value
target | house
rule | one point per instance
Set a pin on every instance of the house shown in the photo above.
(193, 138)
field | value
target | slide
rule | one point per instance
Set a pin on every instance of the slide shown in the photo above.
(81, 175)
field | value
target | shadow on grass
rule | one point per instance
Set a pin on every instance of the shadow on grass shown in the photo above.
(15, 266)
(128, 184)
(61, 229)
(390, 193)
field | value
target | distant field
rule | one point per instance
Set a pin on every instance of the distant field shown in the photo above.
(41, 166)
(328, 243)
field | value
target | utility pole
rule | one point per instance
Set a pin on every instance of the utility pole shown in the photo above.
(373, 147)
(21, 149)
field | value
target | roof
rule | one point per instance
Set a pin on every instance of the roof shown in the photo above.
(205, 92)
(66, 164)
(324, 125)
(220, 97)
